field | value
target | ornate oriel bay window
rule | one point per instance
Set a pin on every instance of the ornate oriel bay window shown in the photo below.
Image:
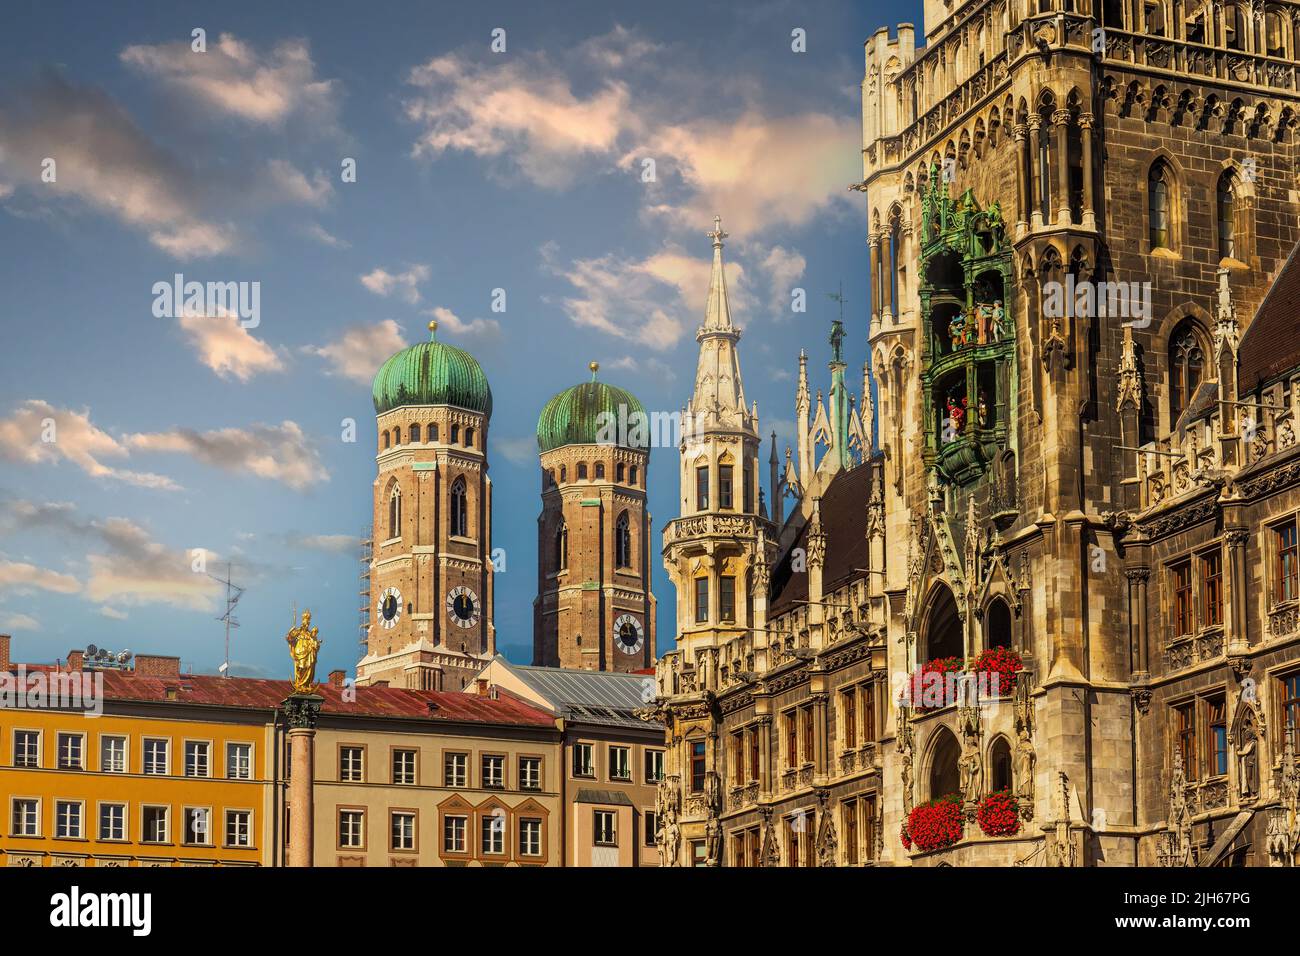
(968, 371)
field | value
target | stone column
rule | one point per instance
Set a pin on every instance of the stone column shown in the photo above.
(889, 267)
(1036, 183)
(1023, 201)
(873, 244)
(1061, 121)
(1137, 620)
(1089, 212)
(301, 710)
(1237, 642)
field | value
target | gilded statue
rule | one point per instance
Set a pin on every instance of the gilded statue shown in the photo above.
(304, 645)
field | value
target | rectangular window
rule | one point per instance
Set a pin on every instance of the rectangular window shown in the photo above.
(239, 828)
(352, 829)
(530, 837)
(754, 742)
(454, 770)
(738, 857)
(1285, 584)
(697, 766)
(27, 748)
(727, 598)
(350, 760)
(112, 754)
(849, 712)
(112, 821)
(1182, 585)
(793, 825)
(493, 834)
(1212, 588)
(724, 487)
(155, 755)
(1216, 727)
(737, 757)
(157, 828)
(807, 717)
(1291, 708)
(792, 739)
(869, 831)
(67, 820)
(620, 767)
(604, 832)
(868, 708)
(494, 772)
(702, 488)
(701, 600)
(403, 830)
(654, 766)
(1185, 723)
(748, 482)
(197, 753)
(197, 826)
(70, 751)
(651, 829)
(239, 761)
(27, 818)
(582, 761)
(530, 773)
(453, 834)
(699, 853)
(404, 767)
(850, 812)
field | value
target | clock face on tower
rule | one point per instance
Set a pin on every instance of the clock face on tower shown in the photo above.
(462, 607)
(628, 636)
(390, 607)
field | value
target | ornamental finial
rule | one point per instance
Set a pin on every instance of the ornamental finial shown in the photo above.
(595, 367)
(433, 328)
(717, 235)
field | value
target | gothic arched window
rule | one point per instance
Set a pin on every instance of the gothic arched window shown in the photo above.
(1186, 369)
(1234, 27)
(997, 624)
(1226, 215)
(1000, 766)
(1158, 199)
(561, 547)
(469, 437)
(395, 512)
(944, 778)
(622, 542)
(943, 630)
(459, 509)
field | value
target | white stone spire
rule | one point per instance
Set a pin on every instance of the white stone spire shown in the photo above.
(718, 401)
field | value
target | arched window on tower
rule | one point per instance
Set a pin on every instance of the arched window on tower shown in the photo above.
(455, 434)
(631, 475)
(1158, 201)
(459, 509)
(623, 542)
(943, 630)
(561, 547)
(395, 512)
(433, 431)
(1000, 766)
(944, 778)
(600, 471)
(997, 624)
(415, 433)
(1186, 368)
(620, 472)
(387, 440)
(1234, 27)
(1274, 34)
(1226, 215)
(582, 471)
(469, 437)
(1155, 18)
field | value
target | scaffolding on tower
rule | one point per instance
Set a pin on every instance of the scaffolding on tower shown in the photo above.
(363, 588)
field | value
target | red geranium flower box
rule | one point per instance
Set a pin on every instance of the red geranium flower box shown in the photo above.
(934, 824)
(998, 814)
(1003, 662)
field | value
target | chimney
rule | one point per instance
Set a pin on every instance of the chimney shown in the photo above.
(156, 665)
(337, 678)
(4, 652)
(76, 660)
(379, 683)
(482, 686)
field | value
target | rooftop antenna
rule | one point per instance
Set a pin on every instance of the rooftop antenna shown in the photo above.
(233, 593)
(838, 297)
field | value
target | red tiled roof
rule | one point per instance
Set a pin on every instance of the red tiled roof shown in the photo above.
(258, 694)
(1271, 345)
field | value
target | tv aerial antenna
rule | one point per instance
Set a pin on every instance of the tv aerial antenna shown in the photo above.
(233, 593)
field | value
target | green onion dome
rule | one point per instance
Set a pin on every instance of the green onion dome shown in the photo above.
(593, 413)
(432, 373)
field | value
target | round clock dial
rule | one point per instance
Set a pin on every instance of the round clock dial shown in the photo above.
(390, 607)
(628, 635)
(462, 607)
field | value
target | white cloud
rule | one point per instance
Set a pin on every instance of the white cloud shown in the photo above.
(226, 347)
(326, 238)
(75, 439)
(357, 354)
(784, 267)
(19, 622)
(288, 182)
(234, 78)
(405, 285)
(24, 578)
(330, 543)
(523, 109)
(278, 452)
(475, 328)
(518, 451)
(104, 160)
(112, 613)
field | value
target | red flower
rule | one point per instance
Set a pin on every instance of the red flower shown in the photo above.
(935, 824)
(998, 814)
(1003, 662)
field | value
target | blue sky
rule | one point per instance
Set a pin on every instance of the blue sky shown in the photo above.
(522, 170)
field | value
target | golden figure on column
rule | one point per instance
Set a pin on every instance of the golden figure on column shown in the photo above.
(304, 645)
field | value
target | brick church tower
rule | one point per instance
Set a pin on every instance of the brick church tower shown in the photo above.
(431, 571)
(594, 608)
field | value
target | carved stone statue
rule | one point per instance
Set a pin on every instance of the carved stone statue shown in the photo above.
(712, 841)
(304, 645)
(1246, 744)
(827, 842)
(1026, 761)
